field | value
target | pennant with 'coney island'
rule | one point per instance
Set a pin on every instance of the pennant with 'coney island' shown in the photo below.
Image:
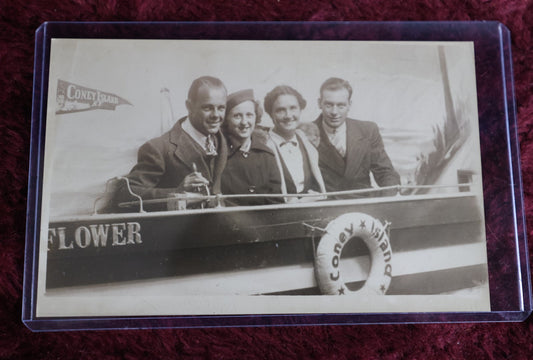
(74, 98)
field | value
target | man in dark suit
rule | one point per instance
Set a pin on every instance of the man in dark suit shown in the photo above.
(349, 149)
(192, 155)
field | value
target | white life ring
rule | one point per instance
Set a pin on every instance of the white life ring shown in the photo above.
(328, 254)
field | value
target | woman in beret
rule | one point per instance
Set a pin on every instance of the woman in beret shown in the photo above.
(251, 167)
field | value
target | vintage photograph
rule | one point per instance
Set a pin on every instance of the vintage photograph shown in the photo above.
(207, 177)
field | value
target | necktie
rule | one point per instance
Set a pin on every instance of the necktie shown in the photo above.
(210, 147)
(338, 142)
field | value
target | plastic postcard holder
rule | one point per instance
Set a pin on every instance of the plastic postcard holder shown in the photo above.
(506, 244)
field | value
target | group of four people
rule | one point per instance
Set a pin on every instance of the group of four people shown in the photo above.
(218, 148)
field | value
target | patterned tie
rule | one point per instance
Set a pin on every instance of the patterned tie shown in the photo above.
(338, 142)
(210, 148)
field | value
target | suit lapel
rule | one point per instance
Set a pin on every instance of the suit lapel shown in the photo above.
(187, 150)
(313, 158)
(329, 157)
(356, 148)
(277, 155)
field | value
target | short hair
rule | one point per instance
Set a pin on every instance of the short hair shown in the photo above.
(335, 83)
(273, 95)
(209, 81)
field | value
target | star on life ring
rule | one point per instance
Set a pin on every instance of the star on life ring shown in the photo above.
(328, 254)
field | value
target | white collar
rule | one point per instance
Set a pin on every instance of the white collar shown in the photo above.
(278, 139)
(195, 134)
(245, 147)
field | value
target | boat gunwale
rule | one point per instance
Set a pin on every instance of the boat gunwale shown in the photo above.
(272, 207)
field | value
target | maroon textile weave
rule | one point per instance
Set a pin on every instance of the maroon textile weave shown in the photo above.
(18, 22)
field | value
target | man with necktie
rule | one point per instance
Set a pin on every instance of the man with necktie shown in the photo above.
(192, 155)
(349, 149)
(297, 158)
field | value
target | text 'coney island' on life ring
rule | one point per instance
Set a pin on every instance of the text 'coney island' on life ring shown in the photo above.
(328, 255)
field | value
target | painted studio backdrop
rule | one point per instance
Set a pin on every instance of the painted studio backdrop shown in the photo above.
(421, 95)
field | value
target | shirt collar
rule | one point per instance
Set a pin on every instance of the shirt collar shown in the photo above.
(245, 146)
(195, 134)
(279, 140)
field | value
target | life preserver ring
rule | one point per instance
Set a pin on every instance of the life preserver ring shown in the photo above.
(328, 254)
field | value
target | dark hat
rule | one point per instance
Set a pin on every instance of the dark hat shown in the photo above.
(238, 97)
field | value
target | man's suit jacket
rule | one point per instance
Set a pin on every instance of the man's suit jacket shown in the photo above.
(365, 153)
(165, 161)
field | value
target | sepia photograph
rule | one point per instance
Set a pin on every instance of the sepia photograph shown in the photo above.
(230, 177)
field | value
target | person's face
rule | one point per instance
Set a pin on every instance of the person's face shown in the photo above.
(335, 105)
(241, 120)
(207, 111)
(286, 114)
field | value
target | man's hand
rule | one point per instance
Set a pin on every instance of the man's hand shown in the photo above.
(193, 182)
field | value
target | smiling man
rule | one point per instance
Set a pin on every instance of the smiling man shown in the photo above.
(192, 155)
(349, 149)
(297, 158)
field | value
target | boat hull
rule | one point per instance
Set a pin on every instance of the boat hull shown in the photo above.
(225, 250)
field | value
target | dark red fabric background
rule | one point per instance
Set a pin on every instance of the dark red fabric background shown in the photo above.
(18, 21)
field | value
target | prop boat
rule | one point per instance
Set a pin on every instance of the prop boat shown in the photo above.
(429, 243)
